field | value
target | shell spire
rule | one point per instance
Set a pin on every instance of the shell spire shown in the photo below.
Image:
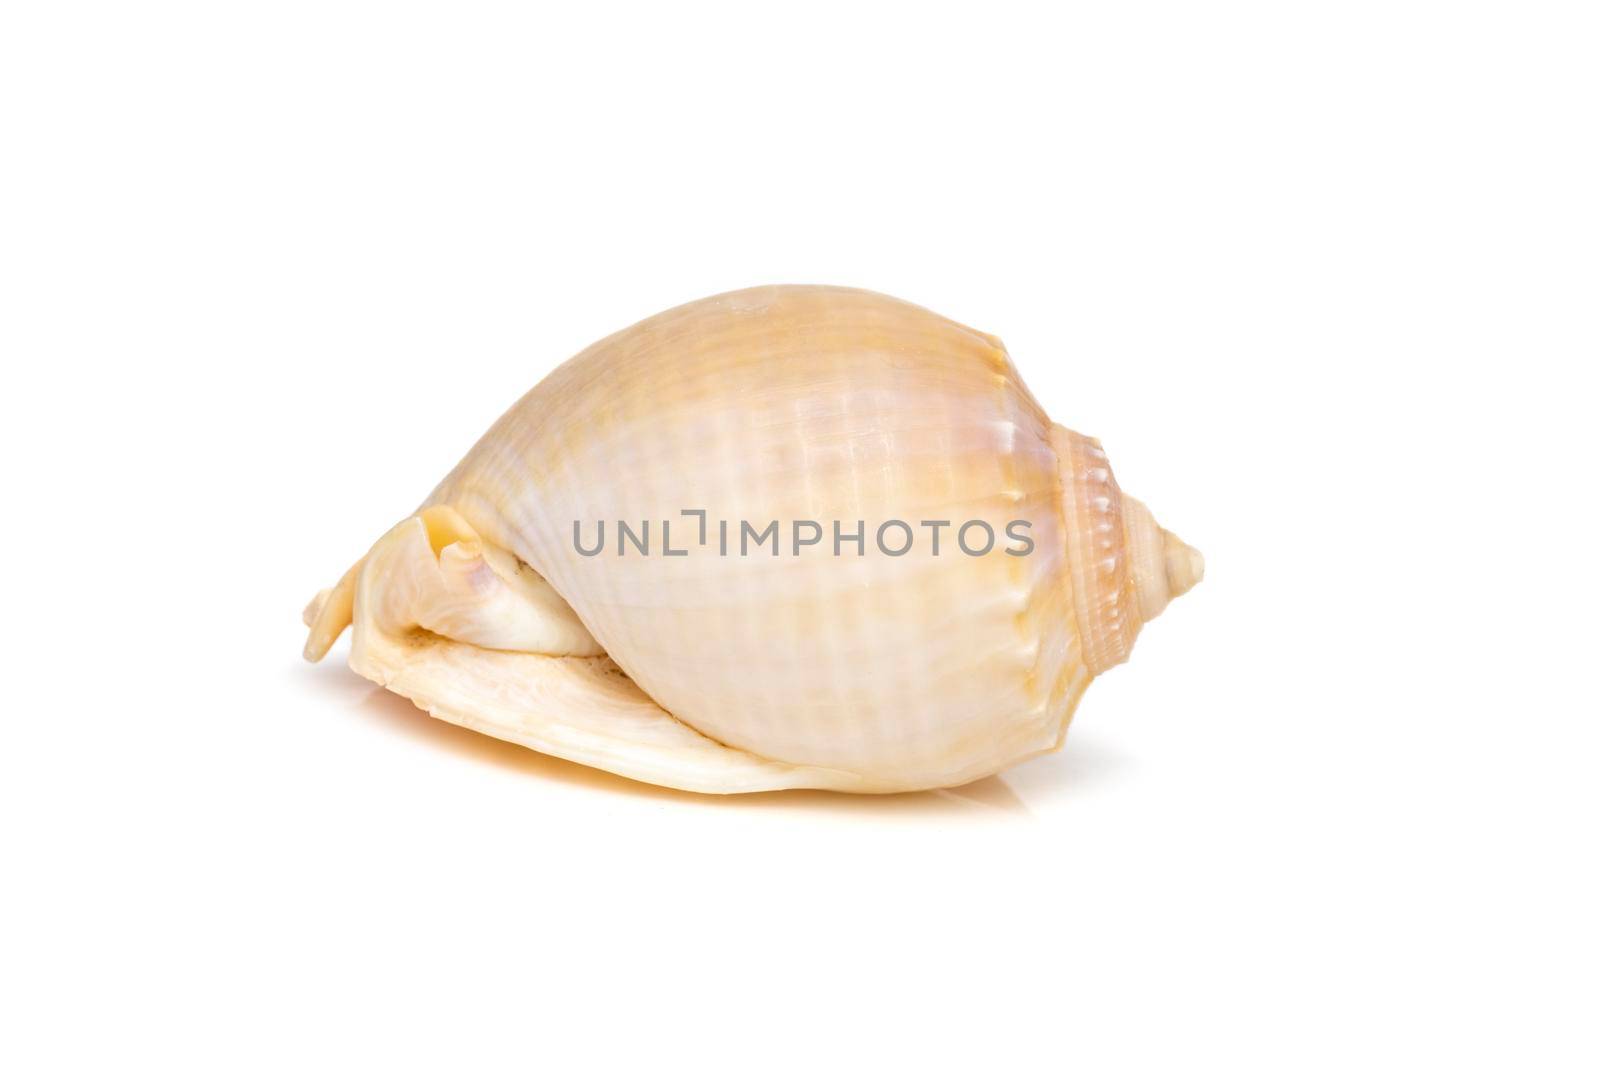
(1163, 567)
(1127, 568)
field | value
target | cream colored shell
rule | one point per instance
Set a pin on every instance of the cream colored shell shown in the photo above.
(733, 672)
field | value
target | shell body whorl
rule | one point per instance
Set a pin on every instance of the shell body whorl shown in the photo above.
(829, 411)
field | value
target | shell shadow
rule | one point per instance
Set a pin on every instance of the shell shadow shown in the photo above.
(986, 798)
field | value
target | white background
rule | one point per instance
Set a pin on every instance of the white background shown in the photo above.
(1322, 277)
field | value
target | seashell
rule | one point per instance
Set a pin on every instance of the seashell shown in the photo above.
(571, 585)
